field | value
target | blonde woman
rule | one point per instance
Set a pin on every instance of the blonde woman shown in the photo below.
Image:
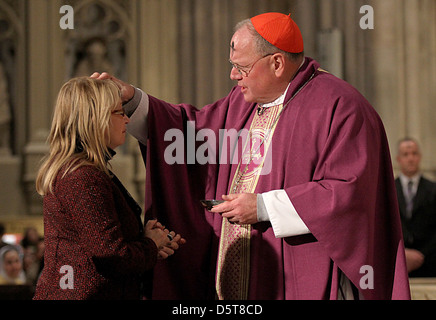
(95, 244)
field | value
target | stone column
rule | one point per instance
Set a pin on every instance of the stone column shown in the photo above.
(12, 96)
(39, 105)
(306, 17)
(388, 67)
(403, 67)
(419, 77)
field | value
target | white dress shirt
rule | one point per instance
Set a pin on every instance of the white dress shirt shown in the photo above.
(405, 180)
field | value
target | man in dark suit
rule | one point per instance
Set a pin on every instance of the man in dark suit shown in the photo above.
(417, 202)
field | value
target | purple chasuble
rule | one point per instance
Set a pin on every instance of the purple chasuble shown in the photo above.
(330, 154)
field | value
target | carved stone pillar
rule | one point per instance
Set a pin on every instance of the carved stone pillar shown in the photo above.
(12, 124)
(306, 17)
(403, 66)
(45, 65)
(419, 82)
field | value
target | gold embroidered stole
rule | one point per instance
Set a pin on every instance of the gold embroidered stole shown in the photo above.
(233, 268)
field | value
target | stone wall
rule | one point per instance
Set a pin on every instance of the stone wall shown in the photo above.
(178, 51)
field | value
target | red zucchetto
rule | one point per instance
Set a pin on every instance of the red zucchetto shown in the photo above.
(279, 30)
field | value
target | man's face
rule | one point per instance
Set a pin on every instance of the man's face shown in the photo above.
(409, 158)
(256, 86)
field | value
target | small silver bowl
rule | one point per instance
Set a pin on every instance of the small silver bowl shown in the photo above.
(208, 204)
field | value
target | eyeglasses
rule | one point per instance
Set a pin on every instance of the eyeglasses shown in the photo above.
(241, 70)
(119, 112)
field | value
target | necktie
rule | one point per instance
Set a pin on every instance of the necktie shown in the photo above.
(409, 199)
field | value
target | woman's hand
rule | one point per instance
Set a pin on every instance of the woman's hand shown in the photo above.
(166, 241)
(156, 233)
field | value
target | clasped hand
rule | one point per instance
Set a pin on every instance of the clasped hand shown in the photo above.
(166, 241)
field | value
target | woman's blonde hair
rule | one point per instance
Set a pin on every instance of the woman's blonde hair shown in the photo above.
(79, 132)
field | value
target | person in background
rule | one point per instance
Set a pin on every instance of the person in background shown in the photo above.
(92, 226)
(417, 201)
(2, 233)
(33, 249)
(33, 261)
(30, 239)
(11, 265)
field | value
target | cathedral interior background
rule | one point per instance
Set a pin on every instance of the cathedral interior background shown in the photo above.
(177, 50)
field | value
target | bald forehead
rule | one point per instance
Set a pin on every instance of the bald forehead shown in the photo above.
(242, 42)
(408, 145)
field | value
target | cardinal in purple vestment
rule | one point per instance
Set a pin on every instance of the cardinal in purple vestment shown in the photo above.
(310, 208)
